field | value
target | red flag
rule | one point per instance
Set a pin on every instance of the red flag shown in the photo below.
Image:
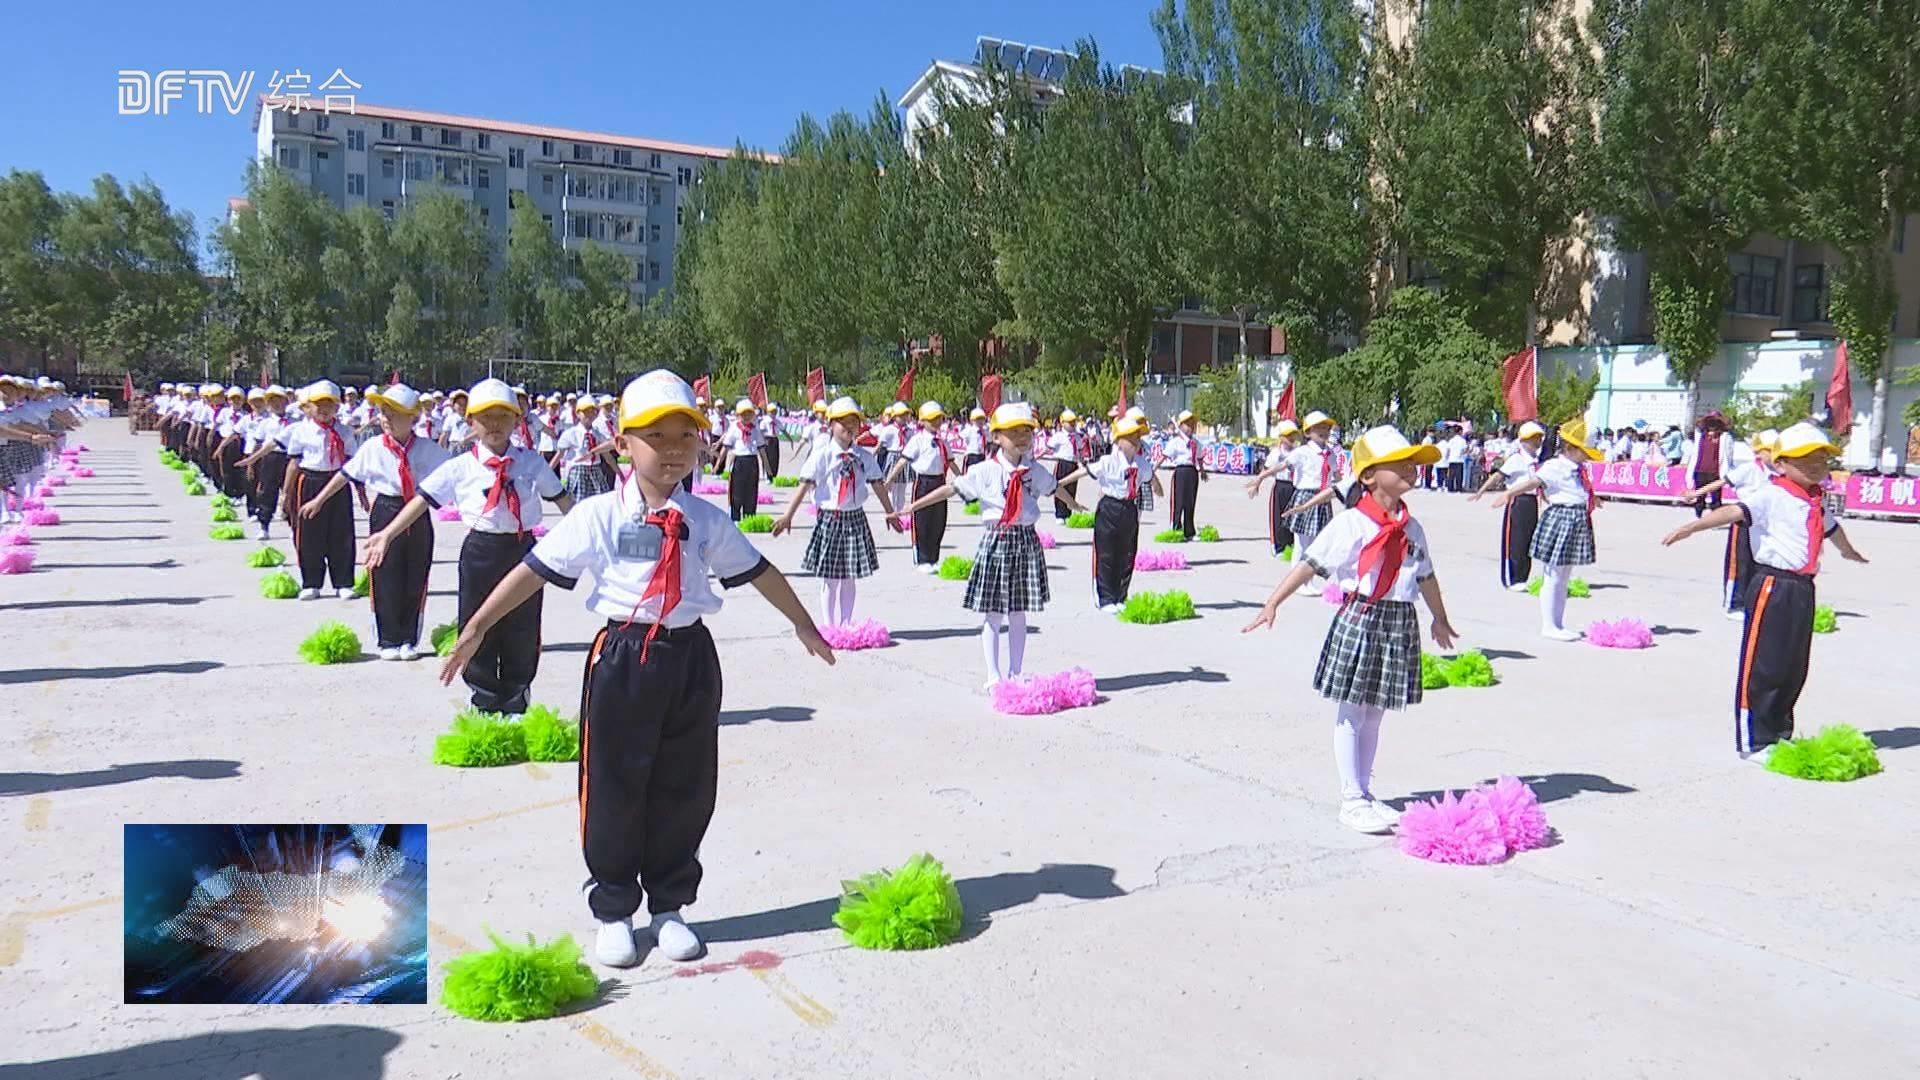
(393, 377)
(757, 390)
(1840, 392)
(1520, 384)
(128, 386)
(703, 387)
(816, 385)
(904, 392)
(1284, 410)
(263, 375)
(1122, 403)
(989, 393)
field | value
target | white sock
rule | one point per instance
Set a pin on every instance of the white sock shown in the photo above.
(1553, 596)
(1016, 642)
(848, 590)
(990, 644)
(1356, 736)
(828, 602)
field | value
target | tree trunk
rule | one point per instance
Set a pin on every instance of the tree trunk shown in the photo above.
(1877, 422)
(1246, 403)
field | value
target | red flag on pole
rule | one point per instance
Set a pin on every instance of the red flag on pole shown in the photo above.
(1840, 392)
(1520, 384)
(816, 385)
(757, 390)
(128, 386)
(1284, 410)
(393, 377)
(989, 393)
(904, 392)
(703, 387)
(1122, 403)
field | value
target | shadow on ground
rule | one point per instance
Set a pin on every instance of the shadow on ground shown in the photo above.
(36, 783)
(1547, 787)
(323, 1052)
(33, 675)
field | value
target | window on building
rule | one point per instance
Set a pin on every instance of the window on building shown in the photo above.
(679, 215)
(546, 184)
(580, 226)
(546, 148)
(481, 177)
(416, 134)
(653, 161)
(486, 216)
(322, 122)
(449, 137)
(639, 270)
(386, 129)
(653, 232)
(386, 167)
(356, 139)
(1756, 280)
(356, 183)
(516, 157)
(626, 230)
(1810, 293)
(548, 219)
(514, 195)
(386, 208)
(321, 155)
(290, 157)
(686, 175)
(655, 191)
(582, 152)
(418, 168)
(653, 270)
(484, 141)
(623, 157)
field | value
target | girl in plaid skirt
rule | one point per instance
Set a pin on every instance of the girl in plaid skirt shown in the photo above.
(1370, 663)
(577, 453)
(1315, 466)
(838, 476)
(1564, 537)
(1009, 575)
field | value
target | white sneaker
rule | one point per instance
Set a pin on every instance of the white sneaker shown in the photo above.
(309, 594)
(408, 652)
(1358, 815)
(987, 688)
(331, 594)
(1112, 609)
(1761, 756)
(675, 937)
(259, 531)
(925, 568)
(1736, 615)
(614, 946)
(389, 654)
(1518, 587)
(1559, 633)
(1384, 812)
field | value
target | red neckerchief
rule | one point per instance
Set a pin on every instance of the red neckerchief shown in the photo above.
(1133, 481)
(1383, 553)
(502, 485)
(846, 470)
(746, 434)
(940, 441)
(1326, 466)
(1580, 478)
(665, 582)
(1816, 523)
(1016, 487)
(336, 446)
(526, 437)
(399, 452)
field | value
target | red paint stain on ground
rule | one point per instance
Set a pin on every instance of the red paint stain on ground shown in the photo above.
(752, 960)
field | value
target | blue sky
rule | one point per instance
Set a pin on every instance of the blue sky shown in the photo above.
(706, 72)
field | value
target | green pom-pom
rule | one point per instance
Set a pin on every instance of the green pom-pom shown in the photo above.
(225, 513)
(970, 508)
(956, 568)
(280, 586)
(1839, 752)
(1576, 588)
(1169, 536)
(1081, 520)
(167, 457)
(1470, 668)
(1824, 620)
(914, 907)
(333, 643)
(443, 638)
(480, 740)
(264, 558)
(1209, 534)
(221, 500)
(1287, 552)
(1150, 607)
(548, 737)
(226, 532)
(786, 481)
(517, 982)
(195, 487)
(1433, 672)
(362, 582)
(756, 523)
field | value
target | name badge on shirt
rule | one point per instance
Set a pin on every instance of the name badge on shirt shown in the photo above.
(638, 541)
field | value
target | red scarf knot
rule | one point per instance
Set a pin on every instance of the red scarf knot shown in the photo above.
(336, 446)
(399, 452)
(1016, 488)
(665, 582)
(503, 487)
(1383, 554)
(1816, 523)
(847, 471)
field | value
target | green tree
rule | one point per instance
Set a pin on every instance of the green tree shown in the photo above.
(272, 251)
(532, 263)
(362, 268)
(129, 274)
(1565, 395)
(1424, 353)
(446, 259)
(29, 285)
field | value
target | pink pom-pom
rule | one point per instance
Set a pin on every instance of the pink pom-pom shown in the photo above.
(763, 498)
(1048, 541)
(82, 472)
(70, 453)
(16, 537)
(447, 513)
(1620, 634)
(1036, 695)
(709, 487)
(44, 491)
(1333, 595)
(17, 560)
(538, 531)
(865, 634)
(57, 480)
(43, 517)
(32, 502)
(1463, 831)
(1160, 559)
(1523, 825)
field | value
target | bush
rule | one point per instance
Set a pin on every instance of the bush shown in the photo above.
(280, 586)
(956, 568)
(914, 907)
(333, 643)
(756, 523)
(1081, 520)
(1149, 608)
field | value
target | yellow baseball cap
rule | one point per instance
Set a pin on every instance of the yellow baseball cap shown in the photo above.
(1805, 440)
(932, 411)
(1385, 445)
(658, 394)
(492, 394)
(844, 407)
(1013, 414)
(1530, 431)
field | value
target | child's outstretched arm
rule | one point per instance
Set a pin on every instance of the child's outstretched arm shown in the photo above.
(932, 498)
(1443, 634)
(886, 505)
(785, 520)
(1320, 499)
(1514, 492)
(1726, 515)
(1847, 551)
(779, 592)
(1301, 573)
(513, 590)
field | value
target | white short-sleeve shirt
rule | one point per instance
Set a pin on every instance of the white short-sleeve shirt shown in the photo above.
(987, 482)
(825, 469)
(739, 441)
(1335, 554)
(464, 480)
(375, 467)
(1778, 526)
(585, 542)
(1313, 466)
(1562, 481)
(1517, 467)
(308, 442)
(1112, 472)
(927, 453)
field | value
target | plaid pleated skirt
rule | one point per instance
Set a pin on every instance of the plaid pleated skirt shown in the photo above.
(1372, 655)
(1307, 525)
(1564, 537)
(1009, 571)
(841, 547)
(586, 480)
(18, 458)
(1146, 491)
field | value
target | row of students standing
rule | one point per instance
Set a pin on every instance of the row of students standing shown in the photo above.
(35, 416)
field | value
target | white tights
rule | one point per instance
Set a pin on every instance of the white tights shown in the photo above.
(1356, 737)
(1016, 624)
(1553, 597)
(836, 600)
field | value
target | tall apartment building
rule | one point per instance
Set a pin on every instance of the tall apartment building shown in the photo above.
(624, 193)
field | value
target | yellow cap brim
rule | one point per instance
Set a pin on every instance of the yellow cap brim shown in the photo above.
(1422, 454)
(1808, 451)
(1593, 453)
(1010, 425)
(652, 416)
(846, 416)
(473, 410)
(315, 399)
(386, 402)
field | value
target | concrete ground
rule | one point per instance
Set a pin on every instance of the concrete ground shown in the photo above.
(1156, 886)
